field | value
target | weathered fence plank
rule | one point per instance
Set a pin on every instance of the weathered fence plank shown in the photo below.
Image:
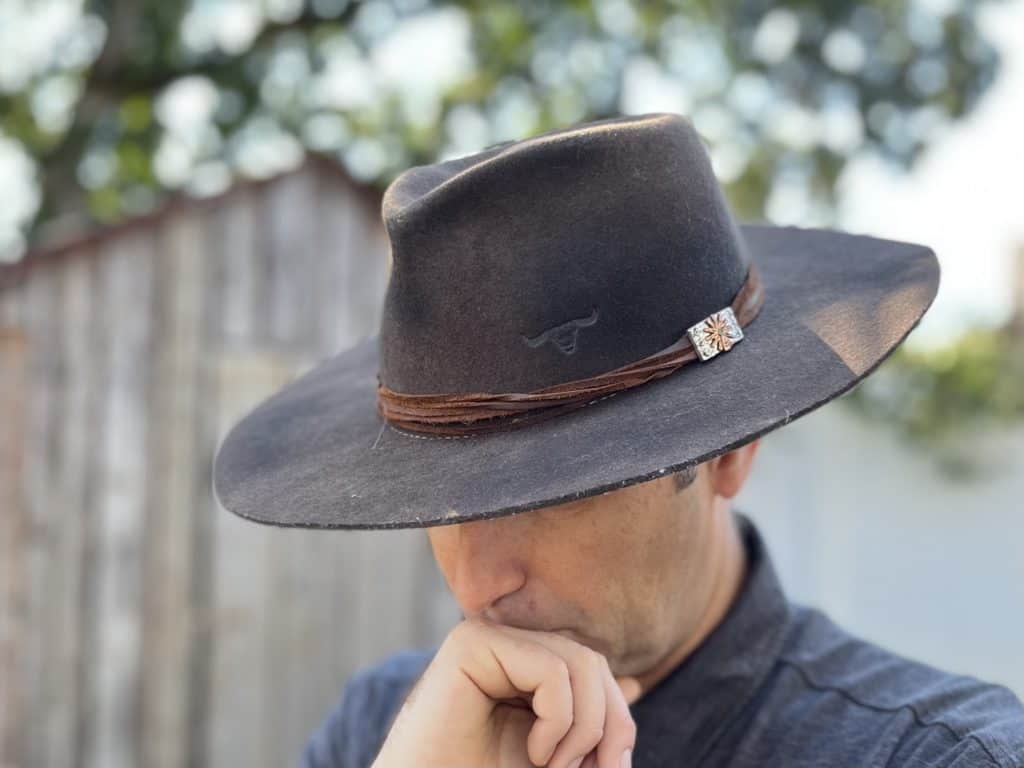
(13, 629)
(234, 230)
(76, 393)
(174, 414)
(42, 322)
(140, 624)
(236, 719)
(10, 307)
(204, 509)
(240, 725)
(287, 218)
(126, 294)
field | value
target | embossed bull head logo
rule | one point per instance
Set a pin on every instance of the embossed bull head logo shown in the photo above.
(563, 336)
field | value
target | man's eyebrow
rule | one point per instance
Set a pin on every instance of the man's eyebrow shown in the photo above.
(685, 477)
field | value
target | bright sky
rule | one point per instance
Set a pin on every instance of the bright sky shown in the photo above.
(963, 199)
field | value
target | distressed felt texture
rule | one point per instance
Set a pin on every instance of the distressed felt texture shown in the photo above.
(622, 215)
(622, 219)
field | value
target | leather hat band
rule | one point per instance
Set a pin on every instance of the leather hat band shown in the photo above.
(465, 414)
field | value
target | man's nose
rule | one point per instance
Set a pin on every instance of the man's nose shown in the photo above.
(488, 564)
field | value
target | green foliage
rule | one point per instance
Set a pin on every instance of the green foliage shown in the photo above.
(892, 70)
(890, 73)
(938, 398)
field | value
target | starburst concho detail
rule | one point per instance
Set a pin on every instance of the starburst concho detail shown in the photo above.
(715, 333)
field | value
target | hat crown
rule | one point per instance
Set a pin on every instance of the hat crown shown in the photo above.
(554, 258)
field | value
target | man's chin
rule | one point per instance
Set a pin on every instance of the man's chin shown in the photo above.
(582, 639)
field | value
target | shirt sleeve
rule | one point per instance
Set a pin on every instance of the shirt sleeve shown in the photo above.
(982, 730)
(354, 730)
(333, 744)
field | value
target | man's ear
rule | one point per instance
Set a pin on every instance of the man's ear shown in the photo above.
(729, 471)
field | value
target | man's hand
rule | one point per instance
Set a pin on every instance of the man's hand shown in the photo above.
(501, 697)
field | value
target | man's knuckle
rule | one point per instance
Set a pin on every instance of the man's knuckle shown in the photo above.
(560, 669)
(585, 660)
(463, 636)
(456, 635)
(583, 738)
(630, 730)
(562, 720)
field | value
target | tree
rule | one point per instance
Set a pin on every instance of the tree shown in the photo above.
(784, 95)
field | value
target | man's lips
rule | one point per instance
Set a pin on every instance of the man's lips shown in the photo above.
(531, 625)
(567, 632)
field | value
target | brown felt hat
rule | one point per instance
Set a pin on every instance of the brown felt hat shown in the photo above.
(560, 266)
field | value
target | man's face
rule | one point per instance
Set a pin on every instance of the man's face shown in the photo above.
(627, 572)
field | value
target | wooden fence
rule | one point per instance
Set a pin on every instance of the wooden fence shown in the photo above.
(140, 624)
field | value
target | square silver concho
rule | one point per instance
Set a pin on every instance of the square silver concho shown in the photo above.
(715, 333)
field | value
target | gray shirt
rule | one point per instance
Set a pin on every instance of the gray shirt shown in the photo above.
(775, 684)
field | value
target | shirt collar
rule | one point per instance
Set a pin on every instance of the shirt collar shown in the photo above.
(686, 711)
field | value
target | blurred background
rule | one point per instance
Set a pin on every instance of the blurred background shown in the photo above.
(190, 217)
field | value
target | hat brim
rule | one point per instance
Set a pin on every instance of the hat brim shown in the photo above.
(317, 454)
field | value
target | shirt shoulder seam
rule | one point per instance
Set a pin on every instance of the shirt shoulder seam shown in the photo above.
(808, 680)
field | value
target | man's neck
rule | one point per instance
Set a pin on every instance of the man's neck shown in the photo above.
(728, 572)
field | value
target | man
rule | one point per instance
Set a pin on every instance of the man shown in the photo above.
(729, 672)
(579, 350)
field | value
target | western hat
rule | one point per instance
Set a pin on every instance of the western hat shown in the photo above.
(566, 315)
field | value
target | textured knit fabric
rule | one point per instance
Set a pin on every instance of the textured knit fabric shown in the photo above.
(775, 684)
